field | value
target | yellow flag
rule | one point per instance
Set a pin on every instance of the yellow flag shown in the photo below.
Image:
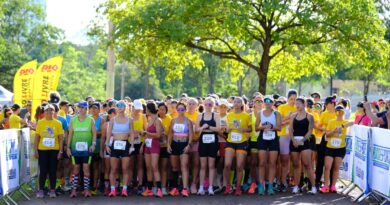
(24, 82)
(46, 80)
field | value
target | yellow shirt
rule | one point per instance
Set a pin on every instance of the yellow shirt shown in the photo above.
(193, 117)
(62, 113)
(325, 117)
(138, 125)
(243, 120)
(317, 133)
(174, 115)
(1, 116)
(48, 131)
(254, 134)
(14, 121)
(166, 123)
(285, 110)
(337, 140)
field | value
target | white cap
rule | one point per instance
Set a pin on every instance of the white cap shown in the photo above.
(138, 105)
(224, 102)
(48, 106)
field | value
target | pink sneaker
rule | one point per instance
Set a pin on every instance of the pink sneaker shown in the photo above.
(73, 193)
(159, 193)
(333, 189)
(324, 189)
(185, 193)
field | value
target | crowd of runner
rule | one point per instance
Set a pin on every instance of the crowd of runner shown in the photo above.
(198, 146)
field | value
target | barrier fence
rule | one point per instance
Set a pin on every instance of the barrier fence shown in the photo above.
(366, 164)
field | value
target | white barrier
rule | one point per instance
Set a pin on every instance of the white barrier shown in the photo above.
(380, 163)
(361, 157)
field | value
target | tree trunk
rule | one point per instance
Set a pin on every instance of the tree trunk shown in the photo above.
(262, 71)
(366, 83)
(331, 86)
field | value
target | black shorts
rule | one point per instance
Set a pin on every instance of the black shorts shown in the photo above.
(120, 153)
(178, 148)
(81, 160)
(164, 153)
(306, 145)
(252, 148)
(208, 149)
(137, 148)
(268, 145)
(313, 145)
(340, 152)
(237, 147)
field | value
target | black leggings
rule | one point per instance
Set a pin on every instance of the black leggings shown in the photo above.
(47, 165)
(321, 162)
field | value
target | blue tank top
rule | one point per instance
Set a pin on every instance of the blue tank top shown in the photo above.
(97, 124)
(119, 128)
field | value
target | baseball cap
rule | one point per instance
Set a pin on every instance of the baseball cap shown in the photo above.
(339, 108)
(138, 105)
(82, 104)
(48, 106)
(268, 99)
(224, 102)
(96, 104)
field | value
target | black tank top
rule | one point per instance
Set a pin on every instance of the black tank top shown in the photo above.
(211, 122)
(301, 126)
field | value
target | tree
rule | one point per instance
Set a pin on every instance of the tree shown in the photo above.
(253, 33)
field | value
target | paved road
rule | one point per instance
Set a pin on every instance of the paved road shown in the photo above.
(286, 199)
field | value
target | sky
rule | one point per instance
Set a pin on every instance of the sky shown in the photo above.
(72, 16)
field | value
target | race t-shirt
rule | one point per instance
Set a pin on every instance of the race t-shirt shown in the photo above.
(14, 122)
(82, 136)
(234, 120)
(48, 131)
(285, 110)
(337, 140)
(325, 117)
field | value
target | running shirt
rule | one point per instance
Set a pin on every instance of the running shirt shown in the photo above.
(98, 122)
(48, 131)
(82, 136)
(254, 134)
(362, 120)
(285, 110)
(316, 132)
(193, 118)
(64, 123)
(337, 140)
(138, 126)
(325, 118)
(62, 113)
(14, 121)
(234, 120)
(166, 124)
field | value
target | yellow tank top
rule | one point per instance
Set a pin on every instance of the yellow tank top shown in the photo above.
(138, 125)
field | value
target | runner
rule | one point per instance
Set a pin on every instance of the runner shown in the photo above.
(119, 128)
(222, 136)
(253, 147)
(137, 157)
(238, 127)
(94, 110)
(192, 114)
(380, 119)
(301, 128)
(326, 116)
(152, 149)
(15, 122)
(82, 143)
(208, 124)
(164, 155)
(268, 122)
(4, 124)
(48, 149)
(286, 111)
(103, 152)
(335, 149)
(179, 138)
(361, 117)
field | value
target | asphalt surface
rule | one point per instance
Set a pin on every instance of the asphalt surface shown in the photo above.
(285, 198)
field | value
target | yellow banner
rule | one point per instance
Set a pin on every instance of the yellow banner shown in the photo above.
(24, 83)
(46, 80)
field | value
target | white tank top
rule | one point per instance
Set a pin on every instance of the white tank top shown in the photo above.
(270, 119)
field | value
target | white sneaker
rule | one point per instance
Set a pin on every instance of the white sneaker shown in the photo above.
(164, 191)
(211, 191)
(201, 191)
(295, 190)
(313, 190)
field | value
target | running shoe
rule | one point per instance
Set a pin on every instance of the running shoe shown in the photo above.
(147, 192)
(210, 191)
(238, 191)
(295, 190)
(159, 193)
(313, 190)
(184, 192)
(112, 193)
(124, 193)
(201, 191)
(270, 189)
(87, 193)
(228, 189)
(106, 191)
(174, 192)
(260, 189)
(140, 190)
(193, 188)
(324, 189)
(40, 194)
(52, 193)
(333, 189)
(73, 193)
(283, 187)
(164, 191)
(252, 188)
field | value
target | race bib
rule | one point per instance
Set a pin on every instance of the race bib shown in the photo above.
(178, 128)
(300, 139)
(208, 138)
(236, 137)
(148, 143)
(48, 142)
(268, 135)
(335, 142)
(120, 145)
(81, 146)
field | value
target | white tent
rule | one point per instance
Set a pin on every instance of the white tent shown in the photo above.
(6, 97)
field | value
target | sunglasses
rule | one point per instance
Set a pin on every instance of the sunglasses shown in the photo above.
(180, 109)
(258, 102)
(208, 104)
(120, 105)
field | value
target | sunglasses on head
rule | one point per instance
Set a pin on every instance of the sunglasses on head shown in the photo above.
(180, 109)
(120, 105)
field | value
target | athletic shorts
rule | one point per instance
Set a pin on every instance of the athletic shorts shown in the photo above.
(178, 148)
(137, 148)
(222, 149)
(153, 147)
(208, 149)
(268, 145)
(313, 143)
(306, 146)
(252, 148)
(120, 153)
(237, 147)
(81, 160)
(164, 153)
(340, 152)
(284, 145)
